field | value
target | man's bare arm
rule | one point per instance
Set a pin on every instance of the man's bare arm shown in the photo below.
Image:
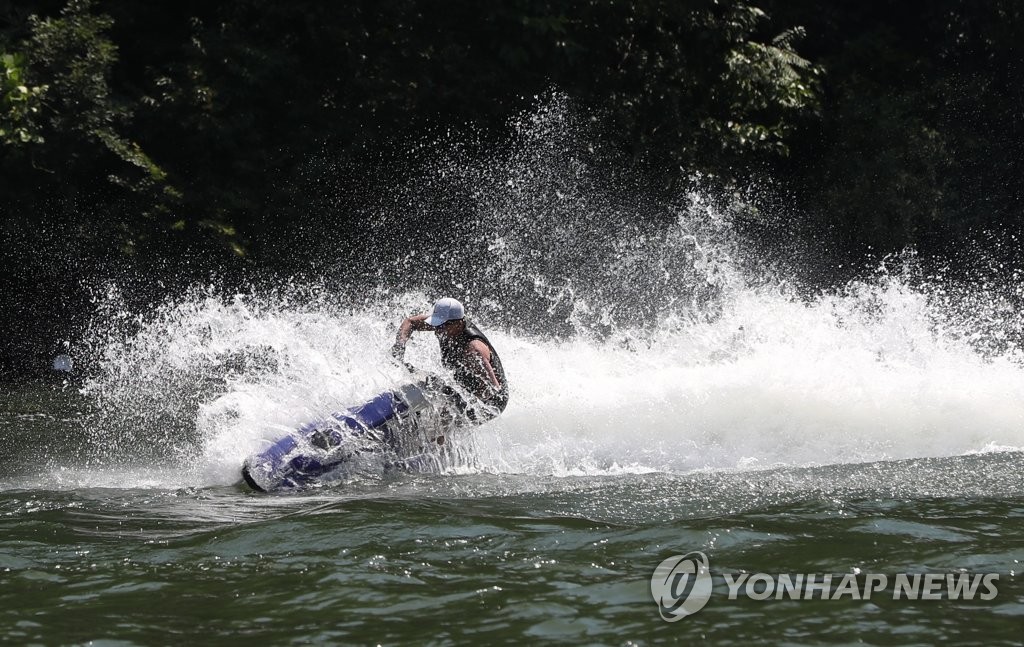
(413, 323)
(481, 350)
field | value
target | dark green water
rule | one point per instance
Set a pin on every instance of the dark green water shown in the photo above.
(490, 558)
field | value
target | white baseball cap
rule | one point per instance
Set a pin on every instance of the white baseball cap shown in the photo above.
(446, 309)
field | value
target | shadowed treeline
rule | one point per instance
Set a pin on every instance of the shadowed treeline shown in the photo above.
(169, 139)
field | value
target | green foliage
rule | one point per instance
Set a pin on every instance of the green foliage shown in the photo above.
(75, 55)
(70, 59)
(920, 119)
(168, 131)
(692, 84)
(171, 130)
(767, 80)
(233, 97)
(20, 103)
(234, 94)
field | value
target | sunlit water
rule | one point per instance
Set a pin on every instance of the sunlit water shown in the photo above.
(668, 394)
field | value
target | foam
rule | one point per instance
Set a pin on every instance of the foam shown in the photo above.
(638, 335)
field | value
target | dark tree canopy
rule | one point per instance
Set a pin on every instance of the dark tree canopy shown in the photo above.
(161, 131)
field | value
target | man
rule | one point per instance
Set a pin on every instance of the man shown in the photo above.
(466, 352)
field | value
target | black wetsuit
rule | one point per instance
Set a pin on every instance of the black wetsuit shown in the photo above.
(469, 373)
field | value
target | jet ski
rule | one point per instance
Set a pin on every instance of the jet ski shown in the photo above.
(402, 428)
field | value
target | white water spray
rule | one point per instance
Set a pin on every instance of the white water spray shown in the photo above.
(666, 356)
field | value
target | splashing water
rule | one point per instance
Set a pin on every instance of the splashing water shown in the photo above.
(638, 335)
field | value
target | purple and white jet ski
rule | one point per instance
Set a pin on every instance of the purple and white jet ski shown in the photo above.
(403, 428)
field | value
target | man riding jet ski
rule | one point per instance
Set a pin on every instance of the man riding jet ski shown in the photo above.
(402, 428)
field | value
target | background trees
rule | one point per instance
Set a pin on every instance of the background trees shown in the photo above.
(151, 133)
(919, 140)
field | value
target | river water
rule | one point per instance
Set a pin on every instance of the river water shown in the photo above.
(505, 557)
(124, 522)
(671, 392)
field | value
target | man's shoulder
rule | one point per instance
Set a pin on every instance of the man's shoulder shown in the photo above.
(479, 346)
